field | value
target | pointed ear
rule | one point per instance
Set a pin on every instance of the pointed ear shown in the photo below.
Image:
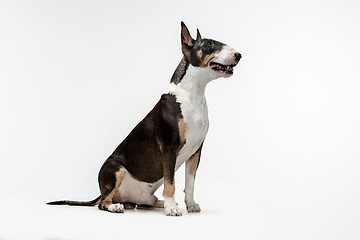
(198, 36)
(186, 39)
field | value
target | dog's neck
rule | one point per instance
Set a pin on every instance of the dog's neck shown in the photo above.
(191, 81)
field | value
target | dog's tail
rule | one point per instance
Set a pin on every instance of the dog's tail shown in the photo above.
(77, 203)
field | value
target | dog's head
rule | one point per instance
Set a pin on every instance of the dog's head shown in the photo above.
(207, 53)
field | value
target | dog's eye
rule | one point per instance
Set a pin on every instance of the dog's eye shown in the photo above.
(210, 43)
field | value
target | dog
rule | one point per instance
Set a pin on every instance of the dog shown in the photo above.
(172, 133)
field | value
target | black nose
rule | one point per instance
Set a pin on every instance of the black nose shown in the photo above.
(237, 56)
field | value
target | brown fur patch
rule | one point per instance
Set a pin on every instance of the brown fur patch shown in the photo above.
(205, 59)
(182, 130)
(161, 147)
(192, 163)
(108, 199)
(200, 54)
(169, 189)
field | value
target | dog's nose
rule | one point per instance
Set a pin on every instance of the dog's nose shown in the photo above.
(237, 56)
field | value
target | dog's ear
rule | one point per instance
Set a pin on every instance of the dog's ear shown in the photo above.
(186, 40)
(198, 36)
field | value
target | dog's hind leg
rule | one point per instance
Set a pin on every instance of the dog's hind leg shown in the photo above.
(157, 204)
(110, 178)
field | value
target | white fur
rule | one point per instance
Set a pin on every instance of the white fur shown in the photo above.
(191, 205)
(132, 190)
(117, 207)
(226, 56)
(171, 208)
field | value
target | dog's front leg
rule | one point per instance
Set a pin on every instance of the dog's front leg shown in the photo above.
(170, 205)
(190, 173)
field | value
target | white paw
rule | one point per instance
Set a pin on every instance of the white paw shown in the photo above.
(193, 207)
(173, 211)
(116, 208)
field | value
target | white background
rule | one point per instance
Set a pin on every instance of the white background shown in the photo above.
(282, 157)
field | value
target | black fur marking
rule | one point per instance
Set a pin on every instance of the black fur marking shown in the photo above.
(76, 203)
(129, 205)
(180, 71)
(207, 47)
(151, 147)
(169, 167)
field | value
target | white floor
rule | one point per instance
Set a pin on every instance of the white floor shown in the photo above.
(248, 219)
(26, 220)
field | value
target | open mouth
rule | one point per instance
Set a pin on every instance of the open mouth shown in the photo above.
(228, 69)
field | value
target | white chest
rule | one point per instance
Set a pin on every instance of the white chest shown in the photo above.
(191, 96)
(197, 125)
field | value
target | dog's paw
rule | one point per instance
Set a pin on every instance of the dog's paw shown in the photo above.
(158, 204)
(193, 207)
(116, 208)
(173, 211)
(129, 205)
